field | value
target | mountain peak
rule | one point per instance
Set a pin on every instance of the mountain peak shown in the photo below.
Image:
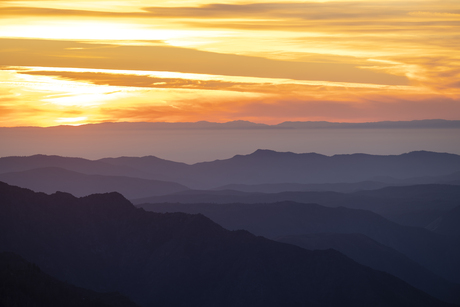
(423, 152)
(264, 152)
(112, 201)
(272, 153)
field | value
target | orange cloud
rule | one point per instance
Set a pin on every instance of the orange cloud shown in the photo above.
(275, 109)
(17, 52)
(402, 59)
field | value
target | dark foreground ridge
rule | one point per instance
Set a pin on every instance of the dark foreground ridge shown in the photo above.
(23, 284)
(102, 242)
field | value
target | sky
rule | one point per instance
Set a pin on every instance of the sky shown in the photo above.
(81, 62)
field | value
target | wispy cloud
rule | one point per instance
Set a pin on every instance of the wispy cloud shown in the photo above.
(165, 58)
(265, 85)
(274, 110)
(331, 60)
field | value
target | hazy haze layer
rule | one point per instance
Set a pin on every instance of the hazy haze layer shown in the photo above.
(198, 142)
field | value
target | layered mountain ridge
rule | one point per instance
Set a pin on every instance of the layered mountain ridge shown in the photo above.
(260, 167)
(103, 243)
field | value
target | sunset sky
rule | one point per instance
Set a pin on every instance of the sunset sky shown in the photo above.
(64, 62)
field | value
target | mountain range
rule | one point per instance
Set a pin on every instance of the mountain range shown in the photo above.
(53, 179)
(369, 252)
(398, 214)
(438, 253)
(268, 167)
(103, 243)
(429, 190)
(374, 183)
(418, 205)
(262, 167)
(207, 141)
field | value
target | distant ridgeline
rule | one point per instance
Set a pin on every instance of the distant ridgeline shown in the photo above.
(207, 141)
(103, 243)
(243, 124)
(262, 167)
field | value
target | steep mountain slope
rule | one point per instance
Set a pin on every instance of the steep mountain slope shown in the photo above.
(102, 242)
(438, 253)
(448, 223)
(366, 251)
(52, 179)
(23, 284)
(409, 205)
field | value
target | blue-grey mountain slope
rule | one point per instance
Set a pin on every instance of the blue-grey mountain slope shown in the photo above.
(102, 242)
(53, 179)
(438, 253)
(269, 167)
(448, 223)
(417, 205)
(260, 167)
(366, 251)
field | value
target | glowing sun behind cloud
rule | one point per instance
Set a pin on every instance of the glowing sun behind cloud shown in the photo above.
(79, 62)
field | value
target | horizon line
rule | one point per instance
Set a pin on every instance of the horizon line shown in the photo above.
(332, 124)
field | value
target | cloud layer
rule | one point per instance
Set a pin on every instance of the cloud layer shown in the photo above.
(198, 60)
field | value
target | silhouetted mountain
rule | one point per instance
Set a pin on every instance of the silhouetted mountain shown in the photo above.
(156, 167)
(102, 242)
(452, 179)
(378, 182)
(266, 166)
(417, 205)
(448, 223)
(150, 164)
(232, 196)
(52, 179)
(23, 284)
(409, 205)
(197, 142)
(419, 192)
(299, 187)
(260, 167)
(18, 164)
(427, 123)
(366, 251)
(438, 253)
